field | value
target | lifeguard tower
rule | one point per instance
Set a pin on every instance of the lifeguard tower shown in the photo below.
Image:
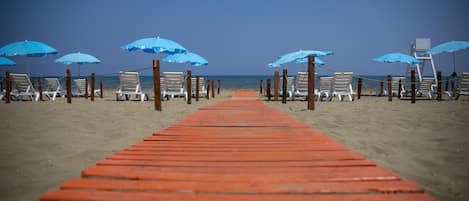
(419, 49)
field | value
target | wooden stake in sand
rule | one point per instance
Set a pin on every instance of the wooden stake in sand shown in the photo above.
(208, 90)
(276, 81)
(412, 86)
(381, 90)
(156, 84)
(69, 86)
(260, 87)
(453, 88)
(218, 90)
(86, 89)
(39, 87)
(359, 88)
(189, 86)
(439, 92)
(7, 87)
(197, 88)
(284, 87)
(93, 78)
(310, 83)
(389, 88)
(101, 89)
(268, 89)
(399, 90)
(213, 88)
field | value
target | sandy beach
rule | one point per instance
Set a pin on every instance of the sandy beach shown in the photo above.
(47, 143)
(424, 142)
(44, 144)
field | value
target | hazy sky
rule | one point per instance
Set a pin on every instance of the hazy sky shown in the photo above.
(236, 37)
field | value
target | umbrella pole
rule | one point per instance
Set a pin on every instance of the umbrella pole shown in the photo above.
(79, 70)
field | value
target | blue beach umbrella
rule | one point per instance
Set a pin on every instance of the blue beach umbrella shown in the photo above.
(187, 57)
(6, 62)
(450, 47)
(397, 58)
(155, 45)
(299, 57)
(27, 48)
(78, 58)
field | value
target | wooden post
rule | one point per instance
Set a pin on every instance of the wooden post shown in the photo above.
(218, 89)
(86, 89)
(93, 79)
(359, 88)
(260, 87)
(1, 85)
(412, 86)
(276, 87)
(208, 90)
(268, 89)
(157, 84)
(189, 86)
(39, 88)
(399, 90)
(310, 83)
(213, 88)
(389, 88)
(381, 91)
(439, 96)
(284, 87)
(69, 86)
(101, 89)
(7, 87)
(197, 80)
(453, 88)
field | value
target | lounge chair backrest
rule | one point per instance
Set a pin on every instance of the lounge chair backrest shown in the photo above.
(174, 81)
(426, 84)
(80, 85)
(301, 82)
(343, 82)
(201, 83)
(395, 83)
(290, 82)
(21, 83)
(162, 84)
(464, 82)
(325, 83)
(52, 84)
(129, 81)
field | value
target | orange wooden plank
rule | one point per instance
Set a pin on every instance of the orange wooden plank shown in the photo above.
(237, 149)
(92, 195)
(314, 175)
(234, 164)
(239, 188)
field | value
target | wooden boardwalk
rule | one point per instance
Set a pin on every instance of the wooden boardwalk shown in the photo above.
(238, 149)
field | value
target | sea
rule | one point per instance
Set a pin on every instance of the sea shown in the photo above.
(232, 81)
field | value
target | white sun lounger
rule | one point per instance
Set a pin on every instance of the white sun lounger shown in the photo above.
(80, 85)
(342, 84)
(22, 87)
(174, 84)
(129, 86)
(53, 88)
(463, 88)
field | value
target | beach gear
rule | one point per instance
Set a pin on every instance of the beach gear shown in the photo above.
(80, 85)
(27, 48)
(53, 88)
(174, 84)
(155, 45)
(397, 58)
(299, 57)
(129, 86)
(342, 85)
(463, 88)
(300, 88)
(6, 62)
(325, 88)
(78, 58)
(450, 47)
(186, 57)
(22, 87)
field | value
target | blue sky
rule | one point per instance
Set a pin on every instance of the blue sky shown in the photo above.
(236, 37)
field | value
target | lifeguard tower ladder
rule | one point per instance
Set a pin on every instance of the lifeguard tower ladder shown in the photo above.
(419, 51)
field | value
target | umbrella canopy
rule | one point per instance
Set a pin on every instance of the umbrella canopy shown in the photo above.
(78, 58)
(155, 45)
(187, 57)
(6, 62)
(449, 47)
(299, 57)
(27, 48)
(397, 58)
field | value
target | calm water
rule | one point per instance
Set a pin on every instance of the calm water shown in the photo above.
(231, 81)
